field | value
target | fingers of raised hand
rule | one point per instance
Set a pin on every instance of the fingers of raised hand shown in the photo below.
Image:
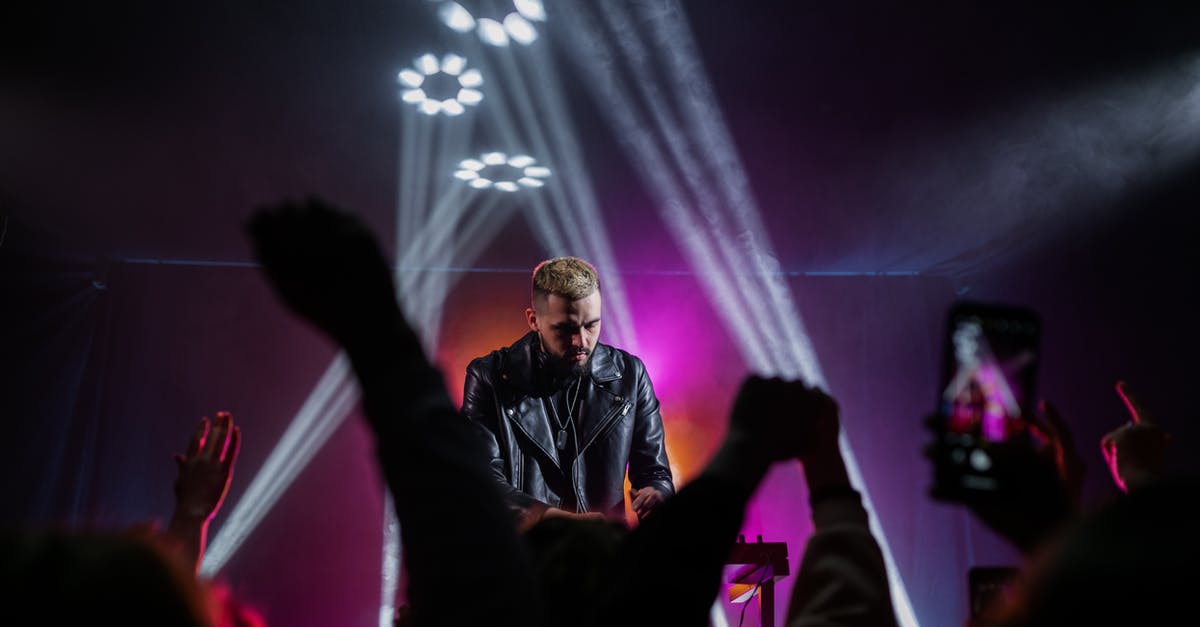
(198, 437)
(1137, 411)
(217, 442)
(231, 452)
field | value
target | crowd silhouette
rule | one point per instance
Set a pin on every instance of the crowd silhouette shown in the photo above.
(468, 561)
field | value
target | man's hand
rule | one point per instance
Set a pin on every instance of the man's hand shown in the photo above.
(327, 267)
(644, 500)
(1136, 452)
(207, 467)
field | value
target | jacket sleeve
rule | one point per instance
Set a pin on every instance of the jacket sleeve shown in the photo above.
(648, 465)
(842, 580)
(479, 407)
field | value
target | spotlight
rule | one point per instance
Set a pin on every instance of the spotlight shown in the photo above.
(519, 29)
(441, 85)
(469, 96)
(453, 64)
(470, 79)
(520, 161)
(428, 64)
(411, 78)
(492, 32)
(456, 17)
(500, 171)
(531, 9)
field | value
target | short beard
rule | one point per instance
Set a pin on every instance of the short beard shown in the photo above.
(564, 367)
(568, 368)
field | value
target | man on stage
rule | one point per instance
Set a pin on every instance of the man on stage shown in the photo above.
(562, 414)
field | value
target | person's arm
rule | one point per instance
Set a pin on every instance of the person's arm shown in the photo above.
(649, 470)
(842, 580)
(456, 531)
(205, 471)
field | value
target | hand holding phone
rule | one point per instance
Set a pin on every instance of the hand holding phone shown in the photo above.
(987, 397)
(989, 451)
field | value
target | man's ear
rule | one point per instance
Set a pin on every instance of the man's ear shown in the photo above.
(531, 319)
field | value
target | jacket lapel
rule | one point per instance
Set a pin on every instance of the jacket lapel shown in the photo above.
(526, 410)
(602, 405)
(528, 416)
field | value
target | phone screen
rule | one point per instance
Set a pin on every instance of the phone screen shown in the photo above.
(994, 361)
(988, 391)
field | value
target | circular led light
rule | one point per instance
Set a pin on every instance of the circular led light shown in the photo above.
(448, 75)
(502, 172)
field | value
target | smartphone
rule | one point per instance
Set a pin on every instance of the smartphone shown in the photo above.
(987, 396)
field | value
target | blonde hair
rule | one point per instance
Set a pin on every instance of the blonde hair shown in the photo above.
(569, 277)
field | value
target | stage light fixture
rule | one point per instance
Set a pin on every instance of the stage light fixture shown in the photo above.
(457, 82)
(503, 172)
(500, 28)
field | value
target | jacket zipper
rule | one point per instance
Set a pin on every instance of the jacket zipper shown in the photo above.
(606, 425)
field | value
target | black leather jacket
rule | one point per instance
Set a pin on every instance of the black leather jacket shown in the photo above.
(508, 397)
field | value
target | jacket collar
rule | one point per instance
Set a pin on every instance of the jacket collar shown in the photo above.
(523, 366)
